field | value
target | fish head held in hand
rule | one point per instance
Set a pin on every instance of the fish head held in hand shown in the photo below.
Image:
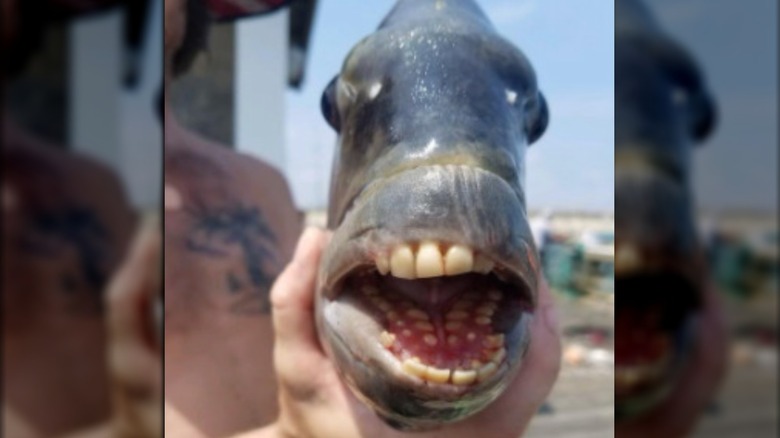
(429, 285)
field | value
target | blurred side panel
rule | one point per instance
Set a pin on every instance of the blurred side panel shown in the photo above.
(81, 161)
(736, 186)
(696, 188)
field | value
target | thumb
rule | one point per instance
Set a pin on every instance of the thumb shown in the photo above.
(292, 298)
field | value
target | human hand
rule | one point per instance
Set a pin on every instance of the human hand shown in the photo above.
(678, 415)
(315, 403)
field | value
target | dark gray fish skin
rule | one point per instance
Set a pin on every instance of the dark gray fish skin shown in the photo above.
(662, 108)
(434, 111)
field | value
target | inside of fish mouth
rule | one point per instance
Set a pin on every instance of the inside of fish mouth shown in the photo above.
(652, 313)
(449, 330)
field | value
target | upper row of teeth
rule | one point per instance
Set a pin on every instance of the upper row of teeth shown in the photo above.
(427, 261)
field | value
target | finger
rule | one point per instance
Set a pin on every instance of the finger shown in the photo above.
(542, 364)
(292, 298)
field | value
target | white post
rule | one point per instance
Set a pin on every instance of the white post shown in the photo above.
(95, 51)
(120, 129)
(260, 86)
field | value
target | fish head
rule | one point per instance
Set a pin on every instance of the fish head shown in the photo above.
(429, 284)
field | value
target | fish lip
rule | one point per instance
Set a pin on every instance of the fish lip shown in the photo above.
(442, 396)
(373, 353)
(516, 276)
(361, 242)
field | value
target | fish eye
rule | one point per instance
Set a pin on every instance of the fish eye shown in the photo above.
(537, 117)
(329, 107)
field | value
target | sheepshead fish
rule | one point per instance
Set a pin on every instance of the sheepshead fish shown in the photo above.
(429, 284)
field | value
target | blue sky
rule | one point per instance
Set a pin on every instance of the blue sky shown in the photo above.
(570, 44)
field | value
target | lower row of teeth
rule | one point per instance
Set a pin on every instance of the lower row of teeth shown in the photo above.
(478, 373)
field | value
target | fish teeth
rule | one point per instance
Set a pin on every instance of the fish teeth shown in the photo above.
(486, 309)
(402, 262)
(494, 341)
(382, 264)
(464, 377)
(386, 339)
(485, 371)
(483, 265)
(429, 261)
(498, 356)
(456, 315)
(424, 325)
(417, 314)
(414, 367)
(437, 375)
(482, 320)
(453, 325)
(458, 260)
(627, 258)
(430, 339)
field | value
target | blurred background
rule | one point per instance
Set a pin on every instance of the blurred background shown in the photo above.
(736, 189)
(82, 143)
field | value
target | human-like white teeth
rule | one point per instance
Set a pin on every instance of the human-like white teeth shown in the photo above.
(493, 341)
(437, 375)
(424, 325)
(430, 339)
(482, 320)
(414, 367)
(627, 376)
(483, 265)
(456, 315)
(627, 258)
(463, 377)
(429, 262)
(417, 314)
(458, 260)
(486, 371)
(386, 339)
(498, 356)
(382, 264)
(402, 262)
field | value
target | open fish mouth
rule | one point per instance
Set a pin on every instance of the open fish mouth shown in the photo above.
(655, 319)
(441, 314)
(428, 328)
